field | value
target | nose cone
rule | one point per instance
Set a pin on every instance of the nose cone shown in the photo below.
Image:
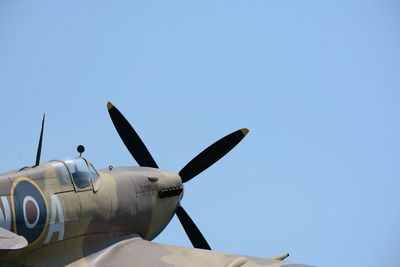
(168, 191)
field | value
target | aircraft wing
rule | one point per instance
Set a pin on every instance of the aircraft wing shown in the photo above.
(11, 241)
(142, 253)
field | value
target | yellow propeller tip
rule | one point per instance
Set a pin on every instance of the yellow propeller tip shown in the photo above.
(245, 131)
(109, 105)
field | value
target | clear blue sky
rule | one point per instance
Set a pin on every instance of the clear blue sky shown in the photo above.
(316, 82)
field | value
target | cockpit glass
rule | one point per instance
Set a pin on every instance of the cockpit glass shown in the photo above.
(62, 173)
(93, 173)
(79, 171)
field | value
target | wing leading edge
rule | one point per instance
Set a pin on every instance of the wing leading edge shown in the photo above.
(142, 253)
(11, 241)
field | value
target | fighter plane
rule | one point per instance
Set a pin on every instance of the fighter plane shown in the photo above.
(67, 213)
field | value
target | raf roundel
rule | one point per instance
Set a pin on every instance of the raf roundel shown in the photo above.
(30, 209)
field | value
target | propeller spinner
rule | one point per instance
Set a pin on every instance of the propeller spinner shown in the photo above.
(197, 165)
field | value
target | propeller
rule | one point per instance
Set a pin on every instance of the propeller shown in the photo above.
(211, 154)
(201, 162)
(130, 138)
(39, 150)
(194, 234)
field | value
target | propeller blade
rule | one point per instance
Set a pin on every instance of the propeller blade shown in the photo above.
(39, 150)
(211, 154)
(194, 234)
(130, 138)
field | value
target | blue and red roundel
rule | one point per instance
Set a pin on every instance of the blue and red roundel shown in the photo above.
(30, 209)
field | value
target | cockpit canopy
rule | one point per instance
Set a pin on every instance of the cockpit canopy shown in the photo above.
(82, 172)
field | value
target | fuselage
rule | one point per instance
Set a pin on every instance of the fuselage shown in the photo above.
(66, 209)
